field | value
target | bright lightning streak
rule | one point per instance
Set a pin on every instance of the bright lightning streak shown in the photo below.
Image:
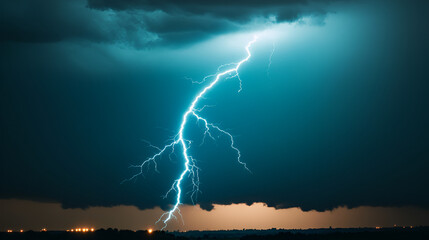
(190, 162)
(270, 60)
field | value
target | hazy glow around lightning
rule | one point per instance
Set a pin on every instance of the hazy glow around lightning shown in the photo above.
(226, 71)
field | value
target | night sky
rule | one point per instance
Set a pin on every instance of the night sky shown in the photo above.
(333, 114)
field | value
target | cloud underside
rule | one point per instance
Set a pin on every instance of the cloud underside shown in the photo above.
(144, 23)
(68, 138)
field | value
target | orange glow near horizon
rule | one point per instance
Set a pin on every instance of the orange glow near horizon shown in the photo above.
(150, 230)
(222, 217)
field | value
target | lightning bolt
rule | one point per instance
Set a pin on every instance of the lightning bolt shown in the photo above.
(179, 140)
(270, 59)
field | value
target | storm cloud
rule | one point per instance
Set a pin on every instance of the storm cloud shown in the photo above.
(340, 119)
(144, 23)
(240, 11)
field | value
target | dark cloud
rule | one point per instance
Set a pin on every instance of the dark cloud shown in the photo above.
(241, 11)
(343, 120)
(55, 21)
(142, 23)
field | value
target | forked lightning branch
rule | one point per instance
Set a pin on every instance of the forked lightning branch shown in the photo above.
(179, 140)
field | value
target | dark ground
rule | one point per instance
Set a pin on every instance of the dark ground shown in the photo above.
(417, 233)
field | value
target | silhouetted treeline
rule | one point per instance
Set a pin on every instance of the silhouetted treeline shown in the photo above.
(388, 234)
(109, 234)
(421, 233)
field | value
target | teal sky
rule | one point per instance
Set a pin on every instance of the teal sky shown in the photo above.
(333, 111)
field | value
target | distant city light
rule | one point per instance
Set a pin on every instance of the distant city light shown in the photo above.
(85, 229)
(21, 230)
(9, 231)
(150, 230)
(43, 230)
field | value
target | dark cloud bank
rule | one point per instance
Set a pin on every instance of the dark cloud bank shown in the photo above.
(143, 23)
(68, 135)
